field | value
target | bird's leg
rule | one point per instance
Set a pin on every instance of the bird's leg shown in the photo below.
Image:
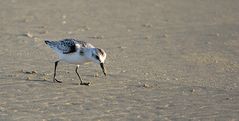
(81, 82)
(54, 78)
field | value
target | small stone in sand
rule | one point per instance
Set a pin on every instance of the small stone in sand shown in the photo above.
(63, 22)
(192, 90)
(28, 34)
(122, 47)
(44, 32)
(28, 78)
(147, 37)
(87, 28)
(146, 86)
(42, 27)
(44, 79)
(228, 98)
(164, 35)
(96, 75)
(34, 72)
(28, 72)
(37, 39)
(98, 37)
(69, 32)
(81, 30)
(67, 103)
(147, 25)
(167, 78)
(123, 71)
(166, 106)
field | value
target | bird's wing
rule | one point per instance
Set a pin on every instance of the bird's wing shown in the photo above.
(71, 45)
(66, 46)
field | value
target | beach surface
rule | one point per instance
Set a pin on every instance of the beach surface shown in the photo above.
(167, 60)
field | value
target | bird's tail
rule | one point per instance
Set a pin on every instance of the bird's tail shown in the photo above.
(50, 43)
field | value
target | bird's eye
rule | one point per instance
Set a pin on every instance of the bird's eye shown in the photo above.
(97, 57)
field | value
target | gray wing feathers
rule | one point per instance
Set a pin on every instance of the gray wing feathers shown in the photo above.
(68, 45)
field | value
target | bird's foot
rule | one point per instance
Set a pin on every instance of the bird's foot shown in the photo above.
(85, 83)
(55, 80)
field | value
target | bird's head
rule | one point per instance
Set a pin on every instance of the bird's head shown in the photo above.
(99, 56)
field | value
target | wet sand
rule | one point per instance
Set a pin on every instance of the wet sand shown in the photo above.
(167, 60)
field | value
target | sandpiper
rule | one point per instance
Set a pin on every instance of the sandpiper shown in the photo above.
(77, 52)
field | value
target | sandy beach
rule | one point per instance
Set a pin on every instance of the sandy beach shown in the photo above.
(167, 60)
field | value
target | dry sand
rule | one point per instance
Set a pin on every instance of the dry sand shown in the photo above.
(167, 60)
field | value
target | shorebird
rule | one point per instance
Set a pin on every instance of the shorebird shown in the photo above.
(77, 52)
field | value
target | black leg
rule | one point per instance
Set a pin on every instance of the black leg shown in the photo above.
(81, 82)
(54, 78)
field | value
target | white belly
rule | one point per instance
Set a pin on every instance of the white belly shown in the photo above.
(73, 58)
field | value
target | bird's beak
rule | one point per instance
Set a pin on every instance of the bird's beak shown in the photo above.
(103, 68)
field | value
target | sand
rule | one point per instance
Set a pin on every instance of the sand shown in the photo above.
(175, 60)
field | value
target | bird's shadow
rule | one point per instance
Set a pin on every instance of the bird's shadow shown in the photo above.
(40, 80)
(51, 82)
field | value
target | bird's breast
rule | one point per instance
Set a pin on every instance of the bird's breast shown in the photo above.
(74, 58)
